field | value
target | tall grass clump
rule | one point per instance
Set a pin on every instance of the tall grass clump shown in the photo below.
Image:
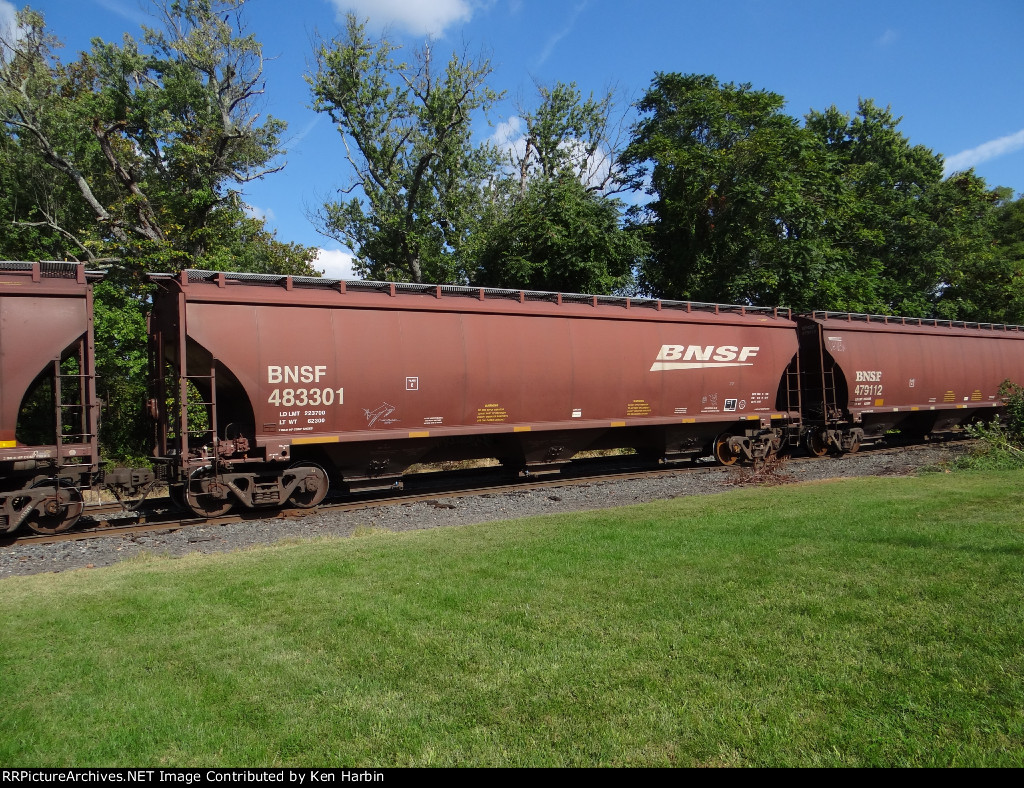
(1001, 442)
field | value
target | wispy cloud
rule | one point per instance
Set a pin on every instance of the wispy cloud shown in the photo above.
(419, 17)
(984, 152)
(293, 142)
(888, 38)
(130, 10)
(555, 39)
(8, 21)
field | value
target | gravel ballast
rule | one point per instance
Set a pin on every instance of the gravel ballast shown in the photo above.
(28, 559)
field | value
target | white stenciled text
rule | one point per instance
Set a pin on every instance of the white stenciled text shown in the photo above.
(296, 374)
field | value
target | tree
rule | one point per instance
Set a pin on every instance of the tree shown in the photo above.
(122, 364)
(570, 135)
(28, 194)
(407, 135)
(902, 234)
(135, 150)
(842, 213)
(740, 191)
(551, 222)
(559, 237)
(1008, 234)
(989, 286)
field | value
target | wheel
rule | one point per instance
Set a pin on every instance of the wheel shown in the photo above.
(59, 510)
(854, 444)
(176, 492)
(723, 453)
(312, 488)
(206, 496)
(816, 445)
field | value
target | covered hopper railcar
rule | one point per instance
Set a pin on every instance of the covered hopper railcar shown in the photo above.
(296, 383)
(48, 407)
(865, 375)
(49, 412)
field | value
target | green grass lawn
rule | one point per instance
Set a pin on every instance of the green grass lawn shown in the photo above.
(854, 623)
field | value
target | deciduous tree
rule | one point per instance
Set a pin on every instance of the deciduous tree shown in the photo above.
(989, 284)
(135, 148)
(739, 191)
(901, 232)
(551, 221)
(415, 171)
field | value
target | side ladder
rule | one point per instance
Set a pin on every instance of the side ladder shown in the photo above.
(78, 415)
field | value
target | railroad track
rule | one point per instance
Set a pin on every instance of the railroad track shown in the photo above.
(108, 520)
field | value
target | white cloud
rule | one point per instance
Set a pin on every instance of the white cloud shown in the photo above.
(419, 17)
(509, 138)
(508, 131)
(8, 22)
(335, 264)
(129, 10)
(989, 150)
(266, 214)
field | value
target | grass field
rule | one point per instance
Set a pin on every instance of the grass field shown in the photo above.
(854, 623)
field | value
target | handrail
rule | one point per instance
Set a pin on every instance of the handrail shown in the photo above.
(227, 279)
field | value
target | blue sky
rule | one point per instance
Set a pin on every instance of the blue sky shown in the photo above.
(952, 70)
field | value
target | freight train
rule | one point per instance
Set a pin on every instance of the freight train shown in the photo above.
(269, 390)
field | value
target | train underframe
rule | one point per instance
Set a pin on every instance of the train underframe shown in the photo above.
(215, 482)
(228, 475)
(43, 499)
(850, 431)
(50, 499)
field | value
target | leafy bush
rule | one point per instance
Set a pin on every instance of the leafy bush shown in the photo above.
(1013, 396)
(1001, 442)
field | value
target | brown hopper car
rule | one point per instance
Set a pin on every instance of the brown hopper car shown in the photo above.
(48, 442)
(357, 381)
(268, 390)
(864, 375)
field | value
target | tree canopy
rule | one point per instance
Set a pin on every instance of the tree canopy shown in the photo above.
(901, 234)
(550, 220)
(737, 190)
(135, 151)
(407, 132)
(841, 212)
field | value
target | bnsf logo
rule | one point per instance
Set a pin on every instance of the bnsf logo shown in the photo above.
(702, 356)
(295, 374)
(868, 377)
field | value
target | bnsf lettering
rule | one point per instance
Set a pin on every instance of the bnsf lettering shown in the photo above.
(706, 353)
(295, 374)
(868, 377)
